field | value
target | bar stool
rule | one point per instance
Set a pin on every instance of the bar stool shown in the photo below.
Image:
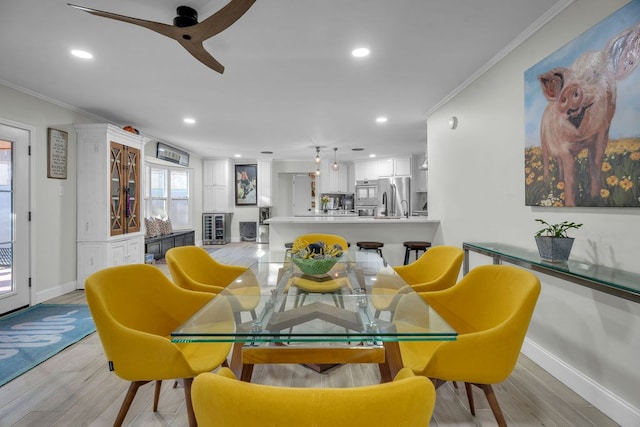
(414, 246)
(371, 246)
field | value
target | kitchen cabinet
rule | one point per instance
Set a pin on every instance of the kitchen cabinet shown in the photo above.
(334, 181)
(109, 181)
(264, 182)
(394, 166)
(366, 170)
(217, 185)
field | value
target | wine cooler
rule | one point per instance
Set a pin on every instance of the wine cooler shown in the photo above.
(216, 228)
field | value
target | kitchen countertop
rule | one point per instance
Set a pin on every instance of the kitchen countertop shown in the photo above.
(328, 214)
(349, 219)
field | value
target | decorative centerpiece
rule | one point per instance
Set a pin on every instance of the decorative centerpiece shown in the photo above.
(315, 258)
(324, 200)
(554, 244)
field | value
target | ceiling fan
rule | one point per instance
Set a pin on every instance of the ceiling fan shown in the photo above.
(186, 29)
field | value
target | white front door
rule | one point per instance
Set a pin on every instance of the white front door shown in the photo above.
(14, 217)
(302, 194)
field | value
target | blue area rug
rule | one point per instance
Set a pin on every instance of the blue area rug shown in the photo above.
(29, 337)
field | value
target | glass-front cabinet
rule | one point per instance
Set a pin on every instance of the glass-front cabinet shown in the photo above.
(125, 189)
(109, 189)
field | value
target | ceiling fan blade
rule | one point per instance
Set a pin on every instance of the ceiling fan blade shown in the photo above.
(222, 19)
(164, 29)
(198, 52)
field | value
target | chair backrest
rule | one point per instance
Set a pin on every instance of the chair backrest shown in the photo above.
(437, 269)
(329, 239)
(135, 307)
(490, 308)
(191, 267)
(220, 399)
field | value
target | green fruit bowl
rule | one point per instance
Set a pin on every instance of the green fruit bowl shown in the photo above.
(314, 266)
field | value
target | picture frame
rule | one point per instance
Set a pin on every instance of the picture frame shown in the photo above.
(582, 139)
(57, 141)
(246, 184)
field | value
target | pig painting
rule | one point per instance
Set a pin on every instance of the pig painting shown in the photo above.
(581, 102)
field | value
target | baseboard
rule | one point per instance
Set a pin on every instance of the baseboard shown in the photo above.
(607, 402)
(53, 292)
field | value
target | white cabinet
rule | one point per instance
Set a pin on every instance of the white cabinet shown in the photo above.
(334, 181)
(366, 170)
(216, 188)
(402, 166)
(394, 166)
(264, 182)
(109, 185)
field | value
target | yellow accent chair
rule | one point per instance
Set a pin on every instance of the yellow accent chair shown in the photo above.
(221, 400)
(437, 269)
(193, 268)
(135, 308)
(306, 287)
(490, 308)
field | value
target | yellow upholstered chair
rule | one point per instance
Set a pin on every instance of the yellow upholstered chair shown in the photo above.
(437, 269)
(221, 400)
(490, 308)
(135, 309)
(333, 287)
(192, 267)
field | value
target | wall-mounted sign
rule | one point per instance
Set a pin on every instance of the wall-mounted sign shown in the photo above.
(57, 153)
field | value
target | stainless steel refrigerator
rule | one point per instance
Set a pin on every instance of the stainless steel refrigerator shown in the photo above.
(395, 196)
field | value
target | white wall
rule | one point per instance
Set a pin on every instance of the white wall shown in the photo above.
(476, 188)
(53, 224)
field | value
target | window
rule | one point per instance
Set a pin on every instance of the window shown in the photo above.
(168, 194)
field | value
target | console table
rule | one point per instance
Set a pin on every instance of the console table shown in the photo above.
(158, 246)
(620, 283)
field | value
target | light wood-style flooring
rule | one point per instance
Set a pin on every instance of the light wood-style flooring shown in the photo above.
(75, 388)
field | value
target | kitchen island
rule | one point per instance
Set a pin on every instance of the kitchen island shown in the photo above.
(391, 231)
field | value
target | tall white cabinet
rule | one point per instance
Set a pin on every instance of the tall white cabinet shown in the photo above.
(217, 186)
(110, 189)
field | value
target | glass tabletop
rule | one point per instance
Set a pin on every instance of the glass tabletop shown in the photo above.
(360, 300)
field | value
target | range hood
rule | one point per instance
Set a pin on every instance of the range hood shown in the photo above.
(425, 165)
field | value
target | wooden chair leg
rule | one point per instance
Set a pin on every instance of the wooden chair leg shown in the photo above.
(126, 404)
(187, 398)
(156, 395)
(472, 408)
(493, 403)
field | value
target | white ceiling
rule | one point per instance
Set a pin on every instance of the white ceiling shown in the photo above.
(290, 82)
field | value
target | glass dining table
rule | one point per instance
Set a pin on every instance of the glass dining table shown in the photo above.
(355, 313)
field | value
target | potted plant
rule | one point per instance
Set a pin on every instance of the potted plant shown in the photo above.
(554, 244)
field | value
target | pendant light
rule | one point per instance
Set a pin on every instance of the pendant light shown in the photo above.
(317, 159)
(335, 161)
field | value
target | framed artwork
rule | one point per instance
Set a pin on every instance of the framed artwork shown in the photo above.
(57, 153)
(246, 177)
(582, 118)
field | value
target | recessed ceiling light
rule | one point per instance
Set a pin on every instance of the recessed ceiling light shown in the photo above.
(372, 155)
(360, 52)
(81, 54)
(189, 120)
(381, 119)
(237, 156)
